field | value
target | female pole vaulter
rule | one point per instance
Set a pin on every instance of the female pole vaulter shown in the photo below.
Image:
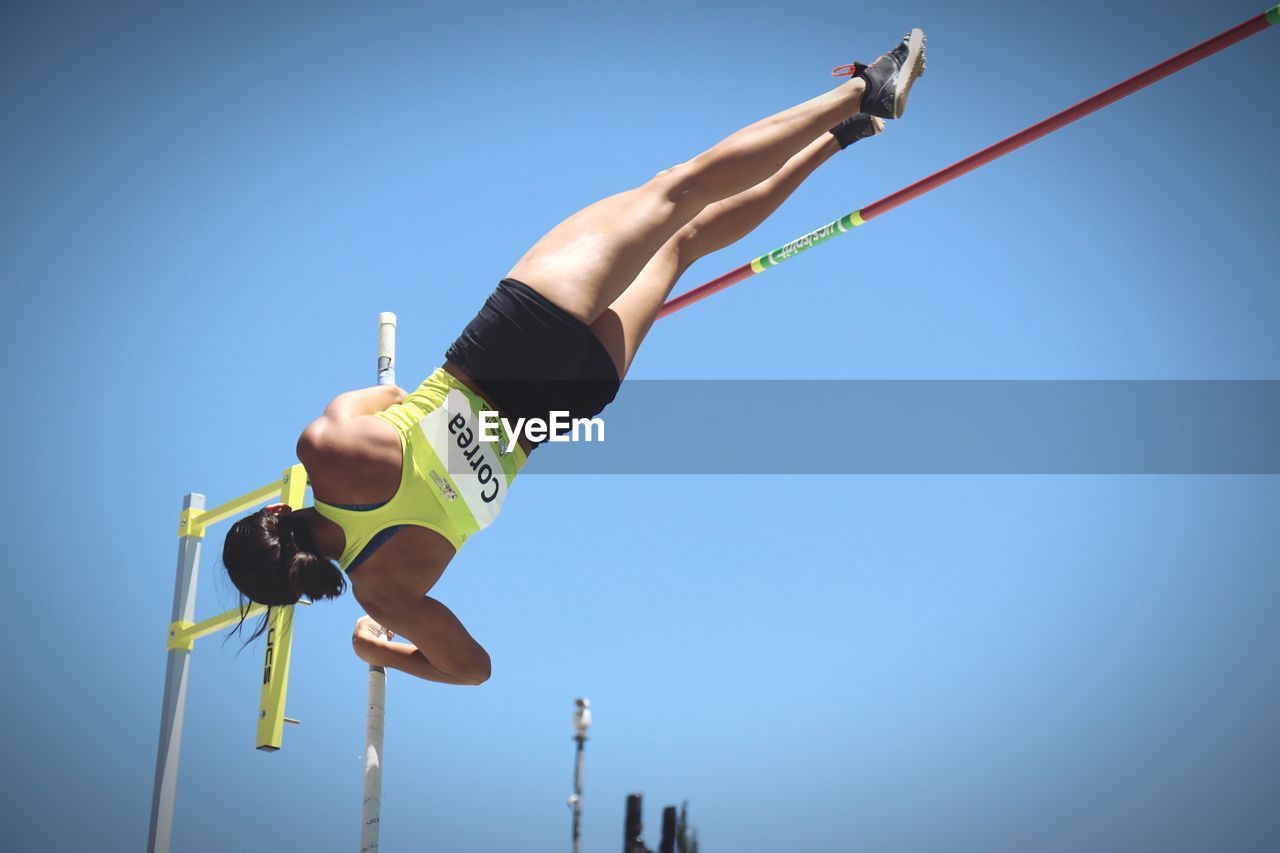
(401, 480)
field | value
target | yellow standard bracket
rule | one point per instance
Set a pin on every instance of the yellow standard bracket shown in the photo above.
(275, 669)
(193, 522)
(183, 635)
(180, 636)
(190, 524)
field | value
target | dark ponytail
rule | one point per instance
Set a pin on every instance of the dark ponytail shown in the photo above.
(309, 574)
(272, 560)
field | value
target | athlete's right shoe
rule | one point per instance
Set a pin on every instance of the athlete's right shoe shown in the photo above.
(855, 127)
(889, 78)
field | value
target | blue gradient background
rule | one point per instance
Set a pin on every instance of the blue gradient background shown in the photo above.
(205, 206)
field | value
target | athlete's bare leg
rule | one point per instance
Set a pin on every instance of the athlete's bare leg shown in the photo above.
(623, 325)
(585, 262)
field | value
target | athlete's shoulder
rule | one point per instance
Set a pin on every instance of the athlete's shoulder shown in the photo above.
(359, 440)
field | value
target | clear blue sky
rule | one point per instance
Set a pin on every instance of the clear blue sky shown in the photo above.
(205, 207)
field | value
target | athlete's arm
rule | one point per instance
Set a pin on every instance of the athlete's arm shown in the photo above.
(443, 650)
(365, 401)
(373, 647)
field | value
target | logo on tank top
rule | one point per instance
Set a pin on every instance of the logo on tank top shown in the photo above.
(442, 485)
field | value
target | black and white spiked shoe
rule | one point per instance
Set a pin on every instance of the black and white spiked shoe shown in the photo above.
(889, 78)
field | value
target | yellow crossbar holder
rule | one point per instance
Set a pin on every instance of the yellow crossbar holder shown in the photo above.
(193, 521)
(183, 635)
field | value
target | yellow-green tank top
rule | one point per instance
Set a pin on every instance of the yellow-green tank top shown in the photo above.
(451, 480)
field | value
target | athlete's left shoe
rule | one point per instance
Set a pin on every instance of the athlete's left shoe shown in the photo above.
(855, 127)
(889, 79)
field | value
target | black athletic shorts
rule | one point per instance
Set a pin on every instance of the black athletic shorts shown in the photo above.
(531, 357)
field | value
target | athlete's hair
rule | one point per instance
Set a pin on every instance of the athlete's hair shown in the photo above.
(271, 559)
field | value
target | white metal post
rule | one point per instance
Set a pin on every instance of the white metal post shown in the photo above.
(371, 809)
(175, 689)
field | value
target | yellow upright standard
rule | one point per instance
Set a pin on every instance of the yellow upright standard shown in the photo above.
(184, 631)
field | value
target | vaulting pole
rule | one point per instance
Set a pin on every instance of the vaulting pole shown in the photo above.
(1188, 57)
(371, 809)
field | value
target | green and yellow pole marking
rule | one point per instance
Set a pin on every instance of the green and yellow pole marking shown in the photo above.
(808, 241)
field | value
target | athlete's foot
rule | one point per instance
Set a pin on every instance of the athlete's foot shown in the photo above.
(889, 79)
(855, 127)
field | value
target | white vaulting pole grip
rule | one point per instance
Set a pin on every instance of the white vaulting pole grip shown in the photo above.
(386, 348)
(371, 809)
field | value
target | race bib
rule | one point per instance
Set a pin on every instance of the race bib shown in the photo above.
(474, 468)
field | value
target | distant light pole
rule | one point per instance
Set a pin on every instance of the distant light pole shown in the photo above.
(581, 722)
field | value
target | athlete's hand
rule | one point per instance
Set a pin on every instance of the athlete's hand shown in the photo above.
(367, 626)
(367, 636)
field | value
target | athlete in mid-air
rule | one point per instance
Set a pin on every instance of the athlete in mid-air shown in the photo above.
(401, 480)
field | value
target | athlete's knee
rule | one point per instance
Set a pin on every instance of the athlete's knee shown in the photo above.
(678, 184)
(664, 173)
